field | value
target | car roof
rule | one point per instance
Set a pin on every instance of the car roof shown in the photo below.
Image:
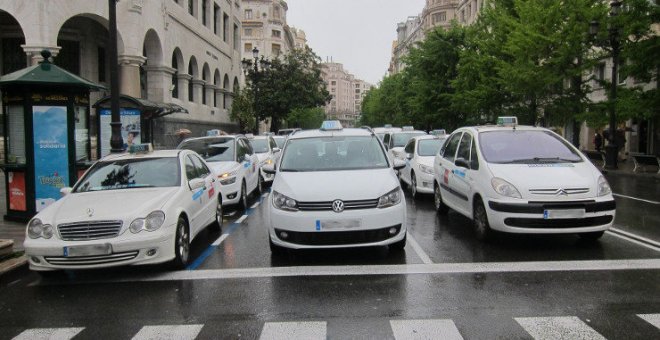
(488, 128)
(140, 155)
(408, 131)
(330, 133)
(422, 137)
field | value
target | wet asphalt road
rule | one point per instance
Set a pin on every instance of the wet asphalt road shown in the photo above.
(238, 290)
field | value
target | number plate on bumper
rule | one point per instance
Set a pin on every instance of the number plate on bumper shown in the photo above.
(338, 224)
(549, 214)
(90, 250)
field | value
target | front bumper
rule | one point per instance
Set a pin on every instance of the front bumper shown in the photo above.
(530, 217)
(267, 177)
(327, 229)
(424, 183)
(127, 249)
(231, 194)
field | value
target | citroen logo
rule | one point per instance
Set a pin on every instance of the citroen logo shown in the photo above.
(90, 212)
(562, 192)
(337, 206)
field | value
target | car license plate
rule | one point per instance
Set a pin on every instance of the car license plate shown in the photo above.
(340, 224)
(563, 213)
(91, 250)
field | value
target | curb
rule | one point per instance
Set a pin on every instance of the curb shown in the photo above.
(8, 266)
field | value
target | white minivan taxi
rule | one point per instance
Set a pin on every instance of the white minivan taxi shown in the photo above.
(335, 188)
(521, 179)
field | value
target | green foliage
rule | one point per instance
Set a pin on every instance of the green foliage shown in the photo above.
(242, 110)
(306, 118)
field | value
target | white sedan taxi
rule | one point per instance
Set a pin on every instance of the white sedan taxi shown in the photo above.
(267, 152)
(128, 209)
(521, 179)
(335, 188)
(396, 141)
(418, 173)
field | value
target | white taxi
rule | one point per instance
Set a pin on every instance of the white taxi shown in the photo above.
(235, 163)
(396, 141)
(128, 209)
(335, 188)
(521, 179)
(418, 173)
(267, 152)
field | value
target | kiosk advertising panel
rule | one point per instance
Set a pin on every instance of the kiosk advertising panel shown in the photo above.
(130, 128)
(51, 153)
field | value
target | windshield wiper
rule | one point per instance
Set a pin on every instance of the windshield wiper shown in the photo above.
(541, 160)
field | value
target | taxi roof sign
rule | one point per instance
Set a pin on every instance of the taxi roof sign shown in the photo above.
(331, 125)
(140, 148)
(507, 121)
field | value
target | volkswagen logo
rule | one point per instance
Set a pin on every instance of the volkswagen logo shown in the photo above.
(90, 212)
(338, 206)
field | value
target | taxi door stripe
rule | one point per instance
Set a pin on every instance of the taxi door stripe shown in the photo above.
(425, 329)
(294, 330)
(49, 333)
(653, 319)
(563, 327)
(173, 332)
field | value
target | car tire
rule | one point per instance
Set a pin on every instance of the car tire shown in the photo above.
(217, 225)
(592, 236)
(275, 249)
(480, 217)
(413, 186)
(244, 197)
(181, 244)
(440, 207)
(398, 245)
(260, 185)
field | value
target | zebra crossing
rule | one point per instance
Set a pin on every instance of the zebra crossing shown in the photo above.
(539, 328)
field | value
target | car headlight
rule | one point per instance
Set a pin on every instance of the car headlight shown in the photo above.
(267, 161)
(152, 222)
(284, 202)
(390, 199)
(603, 187)
(37, 229)
(505, 188)
(426, 169)
(228, 181)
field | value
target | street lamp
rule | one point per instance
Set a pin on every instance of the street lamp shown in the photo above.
(611, 149)
(116, 141)
(258, 67)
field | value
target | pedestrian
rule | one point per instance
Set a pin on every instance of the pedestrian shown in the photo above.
(598, 141)
(620, 140)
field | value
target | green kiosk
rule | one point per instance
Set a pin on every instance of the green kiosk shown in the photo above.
(46, 135)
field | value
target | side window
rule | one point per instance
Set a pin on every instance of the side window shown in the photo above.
(272, 143)
(241, 150)
(464, 147)
(191, 171)
(386, 140)
(410, 147)
(451, 146)
(202, 169)
(248, 146)
(474, 159)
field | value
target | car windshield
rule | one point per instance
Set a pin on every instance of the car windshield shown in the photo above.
(220, 149)
(131, 173)
(333, 153)
(400, 139)
(381, 135)
(280, 141)
(259, 145)
(525, 147)
(429, 147)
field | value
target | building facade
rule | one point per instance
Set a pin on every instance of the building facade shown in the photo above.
(185, 52)
(265, 27)
(346, 91)
(468, 11)
(409, 33)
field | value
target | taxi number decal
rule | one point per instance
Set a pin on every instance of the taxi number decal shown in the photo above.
(446, 176)
(211, 192)
(198, 194)
(459, 173)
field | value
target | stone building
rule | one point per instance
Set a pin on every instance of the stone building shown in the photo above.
(185, 52)
(468, 11)
(265, 27)
(347, 93)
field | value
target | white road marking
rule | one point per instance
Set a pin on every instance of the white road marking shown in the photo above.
(405, 269)
(637, 237)
(565, 327)
(241, 219)
(49, 333)
(425, 329)
(255, 205)
(294, 330)
(636, 199)
(653, 319)
(173, 332)
(632, 240)
(220, 239)
(420, 252)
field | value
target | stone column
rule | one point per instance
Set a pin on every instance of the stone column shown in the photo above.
(217, 93)
(129, 74)
(210, 94)
(159, 82)
(182, 83)
(198, 87)
(33, 53)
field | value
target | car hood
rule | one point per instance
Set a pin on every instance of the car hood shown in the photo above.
(262, 156)
(108, 205)
(426, 160)
(223, 167)
(330, 185)
(530, 179)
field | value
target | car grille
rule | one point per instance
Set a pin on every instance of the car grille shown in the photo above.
(91, 260)
(91, 230)
(564, 223)
(559, 191)
(332, 238)
(348, 205)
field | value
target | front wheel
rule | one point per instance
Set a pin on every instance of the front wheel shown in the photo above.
(181, 244)
(260, 185)
(244, 197)
(413, 186)
(440, 205)
(218, 214)
(398, 245)
(481, 226)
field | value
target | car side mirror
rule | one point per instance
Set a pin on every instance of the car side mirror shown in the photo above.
(461, 162)
(398, 164)
(196, 183)
(276, 150)
(269, 169)
(409, 156)
(65, 191)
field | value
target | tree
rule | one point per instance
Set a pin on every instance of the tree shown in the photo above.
(310, 118)
(242, 109)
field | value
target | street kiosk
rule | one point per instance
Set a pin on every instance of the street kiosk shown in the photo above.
(46, 135)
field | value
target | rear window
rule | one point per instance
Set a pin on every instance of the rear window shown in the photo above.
(429, 147)
(259, 145)
(526, 147)
(400, 139)
(211, 149)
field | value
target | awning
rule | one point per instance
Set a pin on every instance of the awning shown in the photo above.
(149, 109)
(48, 74)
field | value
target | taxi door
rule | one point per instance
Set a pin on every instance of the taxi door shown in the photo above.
(211, 191)
(198, 200)
(250, 164)
(463, 179)
(409, 150)
(446, 171)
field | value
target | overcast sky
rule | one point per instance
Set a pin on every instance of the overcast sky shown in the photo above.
(356, 33)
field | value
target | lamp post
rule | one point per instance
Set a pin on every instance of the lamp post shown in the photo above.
(611, 149)
(257, 67)
(116, 141)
